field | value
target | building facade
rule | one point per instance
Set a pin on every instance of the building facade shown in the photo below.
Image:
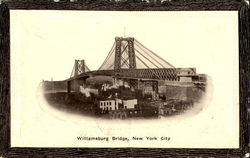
(108, 105)
(115, 104)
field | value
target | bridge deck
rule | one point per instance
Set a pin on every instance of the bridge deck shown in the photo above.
(162, 74)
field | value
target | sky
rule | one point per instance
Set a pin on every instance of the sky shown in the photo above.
(54, 39)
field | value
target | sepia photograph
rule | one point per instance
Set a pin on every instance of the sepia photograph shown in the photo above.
(155, 79)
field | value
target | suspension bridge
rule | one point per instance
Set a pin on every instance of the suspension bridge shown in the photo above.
(129, 59)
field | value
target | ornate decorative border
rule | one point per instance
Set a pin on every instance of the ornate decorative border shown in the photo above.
(171, 5)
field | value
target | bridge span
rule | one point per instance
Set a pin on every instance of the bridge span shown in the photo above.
(129, 59)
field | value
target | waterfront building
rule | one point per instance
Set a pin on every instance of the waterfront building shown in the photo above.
(115, 104)
(130, 103)
(108, 105)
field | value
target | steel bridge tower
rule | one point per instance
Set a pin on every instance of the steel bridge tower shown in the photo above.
(79, 67)
(124, 45)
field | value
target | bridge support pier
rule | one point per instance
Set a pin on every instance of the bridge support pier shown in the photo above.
(149, 87)
(68, 86)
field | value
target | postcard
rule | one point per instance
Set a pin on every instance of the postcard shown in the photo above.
(141, 79)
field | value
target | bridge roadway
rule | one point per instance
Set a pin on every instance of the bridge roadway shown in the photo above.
(152, 74)
(144, 75)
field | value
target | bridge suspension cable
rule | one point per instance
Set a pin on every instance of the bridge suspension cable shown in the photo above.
(146, 58)
(162, 66)
(86, 68)
(110, 66)
(73, 71)
(170, 65)
(102, 67)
